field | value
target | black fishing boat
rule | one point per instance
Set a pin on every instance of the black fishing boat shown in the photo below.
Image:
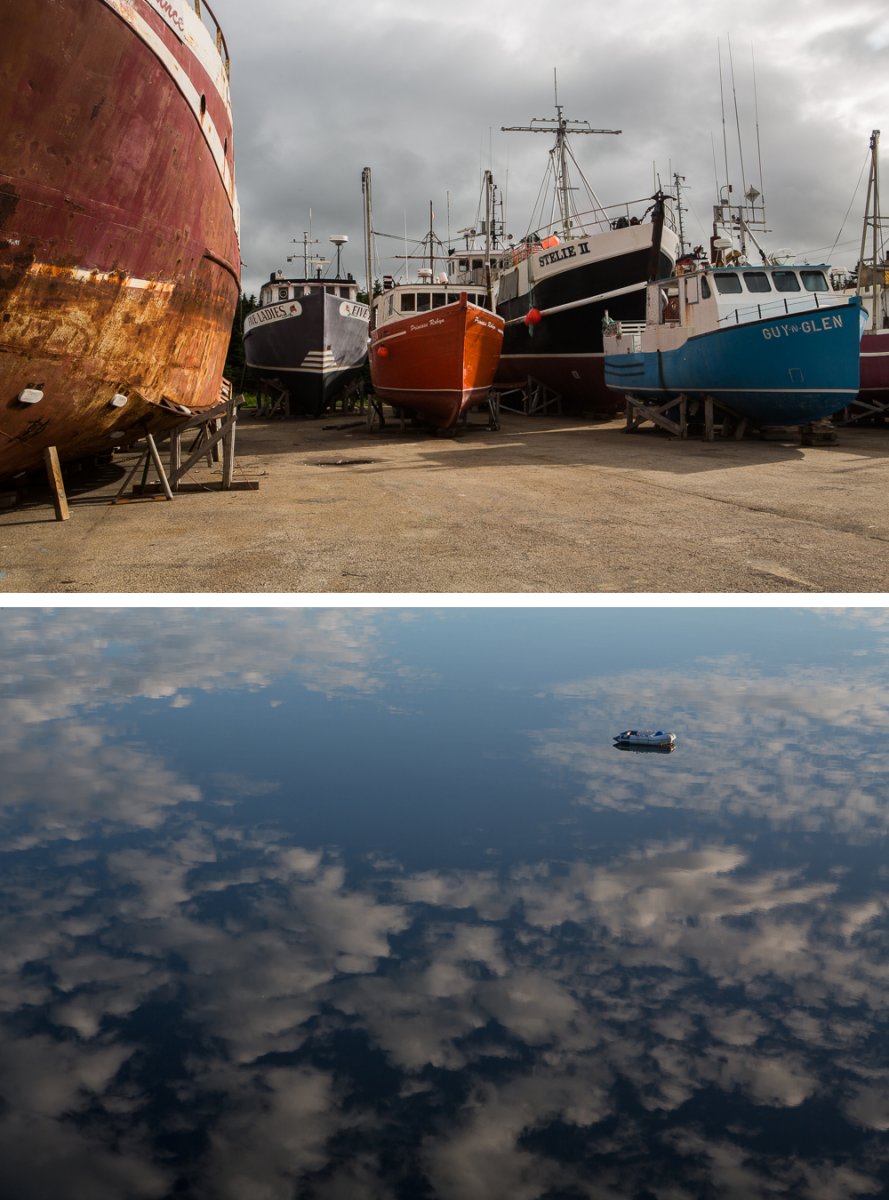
(309, 333)
(553, 287)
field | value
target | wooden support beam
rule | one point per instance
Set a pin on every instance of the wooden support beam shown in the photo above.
(56, 483)
(158, 466)
(639, 411)
(228, 445)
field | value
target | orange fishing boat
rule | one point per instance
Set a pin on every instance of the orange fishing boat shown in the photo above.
(434, 345)
(434, 350)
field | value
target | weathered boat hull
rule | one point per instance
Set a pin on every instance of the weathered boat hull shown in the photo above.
(119, 258)
(776, 371)
(315, 345)
(437, 364)
(875, 365)
(564, 349)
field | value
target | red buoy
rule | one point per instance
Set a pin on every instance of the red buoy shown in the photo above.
(382, 351)
(533, 316)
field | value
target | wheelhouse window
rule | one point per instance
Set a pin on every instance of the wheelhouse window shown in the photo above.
(439, 300)
(282, 293)
(705, 289)
(757, 281)
(786, 281)
(814, 281)
(424, 302)
(408, 302)
(728, 283)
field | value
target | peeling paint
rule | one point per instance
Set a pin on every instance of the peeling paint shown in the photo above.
(115, 270)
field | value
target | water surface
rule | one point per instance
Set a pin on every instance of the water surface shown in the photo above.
(328, 904)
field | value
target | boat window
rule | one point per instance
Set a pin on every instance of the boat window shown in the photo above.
(408, 302)
(705, 289)
(439, 300)
(463, 264)
(424, 302)
(786, 281)
(478, 264)
(282, 293)
(757, 281)
(814, 281)
(727, 282)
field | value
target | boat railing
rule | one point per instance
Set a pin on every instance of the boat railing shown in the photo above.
(783, 307)
(201, 7)
(585, 224)
(626, 331)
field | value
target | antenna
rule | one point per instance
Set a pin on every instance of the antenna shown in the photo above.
(339, 240)
(561, 127)
(307, 241)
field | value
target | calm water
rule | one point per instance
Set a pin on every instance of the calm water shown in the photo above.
(339, 904)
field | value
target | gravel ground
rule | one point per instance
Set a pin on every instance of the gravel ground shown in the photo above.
(544, 505)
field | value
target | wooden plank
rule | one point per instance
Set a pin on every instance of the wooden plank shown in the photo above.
(228, 446)
(56, 483)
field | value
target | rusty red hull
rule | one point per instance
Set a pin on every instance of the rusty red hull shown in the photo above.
(119, 257)
(875, 365)
(437, 364)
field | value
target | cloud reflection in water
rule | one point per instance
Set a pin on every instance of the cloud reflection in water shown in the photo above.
(193, 999)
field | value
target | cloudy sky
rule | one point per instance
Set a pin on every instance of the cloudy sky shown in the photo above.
(418, 93)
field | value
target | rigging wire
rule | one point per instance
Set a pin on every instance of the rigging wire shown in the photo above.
(851, 202)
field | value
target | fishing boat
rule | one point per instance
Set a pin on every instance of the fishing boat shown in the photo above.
(774, 344)
(434, 349)
(119, 253)
(552, 288)
(310, 332)
(434, 345)
(648, 738)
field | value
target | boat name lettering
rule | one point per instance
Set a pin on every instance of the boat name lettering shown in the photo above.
(171, 14)
(351, 308)
(274, 312)
(816, 325)
(427, 324)
(554, 256)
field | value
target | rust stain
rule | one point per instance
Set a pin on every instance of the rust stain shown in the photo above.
(107, 285)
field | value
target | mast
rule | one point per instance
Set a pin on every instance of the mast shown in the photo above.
(657, 232)
(431, 244)
(489, 217)
(368, 241)
(307, 241)
(678, 181)
(872, 219)
(561, 127)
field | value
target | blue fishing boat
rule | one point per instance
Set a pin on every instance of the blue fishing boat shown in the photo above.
(771, 343)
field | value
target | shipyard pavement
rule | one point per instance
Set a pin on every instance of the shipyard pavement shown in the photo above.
(544, 505)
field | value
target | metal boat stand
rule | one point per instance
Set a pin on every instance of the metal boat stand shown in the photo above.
(862, 410)
(673, 416)
(273, 399)
(528, 398)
